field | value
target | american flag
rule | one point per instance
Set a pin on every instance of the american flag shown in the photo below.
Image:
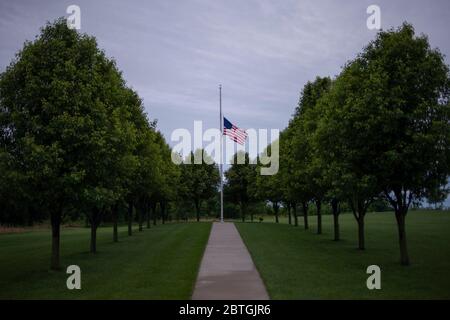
(235, 134)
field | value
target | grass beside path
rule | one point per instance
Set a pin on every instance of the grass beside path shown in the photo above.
(299, 264)
(158, 263)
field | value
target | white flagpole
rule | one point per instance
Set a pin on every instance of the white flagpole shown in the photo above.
(221, 154)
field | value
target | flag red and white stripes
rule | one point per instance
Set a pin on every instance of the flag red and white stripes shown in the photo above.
(236, 134)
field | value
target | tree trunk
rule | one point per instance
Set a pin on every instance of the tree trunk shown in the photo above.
(115, 232)
(163, 212)
(93, 237)
(335, 209)
(56, 227)
(197, 209)
(147, 214)
(361, 240)
(251, 216)
(336, 227)
(94, 220)
(404, 257)
(275, 209)
(289, 213)
(115, 216)
(294, 209)
(130, 218)
(141, 217)
(242, 212)
(319, 216)
(305, 214)
(154, 213)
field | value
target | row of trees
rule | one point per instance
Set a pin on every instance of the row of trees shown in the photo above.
(75, 140)
(380, 130)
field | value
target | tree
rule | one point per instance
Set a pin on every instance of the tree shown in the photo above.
(167, 188)
(406, 88)
(268, 188)
(68, 126)
(285, 172)
(142, 162)
(313, 169)
(52, 121)
(303, 171)
(130, 122)
(386, 126)
(200, 180)
(341, 141)
(112, 140)
(298, 179)
(437, 196)
(239, 180)
(149, 177)
(15, 205)
(336, 211)
(308, 114)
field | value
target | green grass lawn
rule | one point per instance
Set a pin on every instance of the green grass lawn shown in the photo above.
(158, 263)
(299, 264)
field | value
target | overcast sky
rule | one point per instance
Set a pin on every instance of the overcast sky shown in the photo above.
(175, 53)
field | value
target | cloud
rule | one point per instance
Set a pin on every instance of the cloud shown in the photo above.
(261, 51)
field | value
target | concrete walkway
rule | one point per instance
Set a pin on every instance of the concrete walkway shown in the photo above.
(227, 271)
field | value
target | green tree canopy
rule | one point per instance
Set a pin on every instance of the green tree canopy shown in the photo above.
(385, 126)
(67, 119)
(200, 181)
(240, 182)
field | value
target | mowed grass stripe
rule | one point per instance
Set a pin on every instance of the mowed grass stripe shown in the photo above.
(299, 264)
(158, 263)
